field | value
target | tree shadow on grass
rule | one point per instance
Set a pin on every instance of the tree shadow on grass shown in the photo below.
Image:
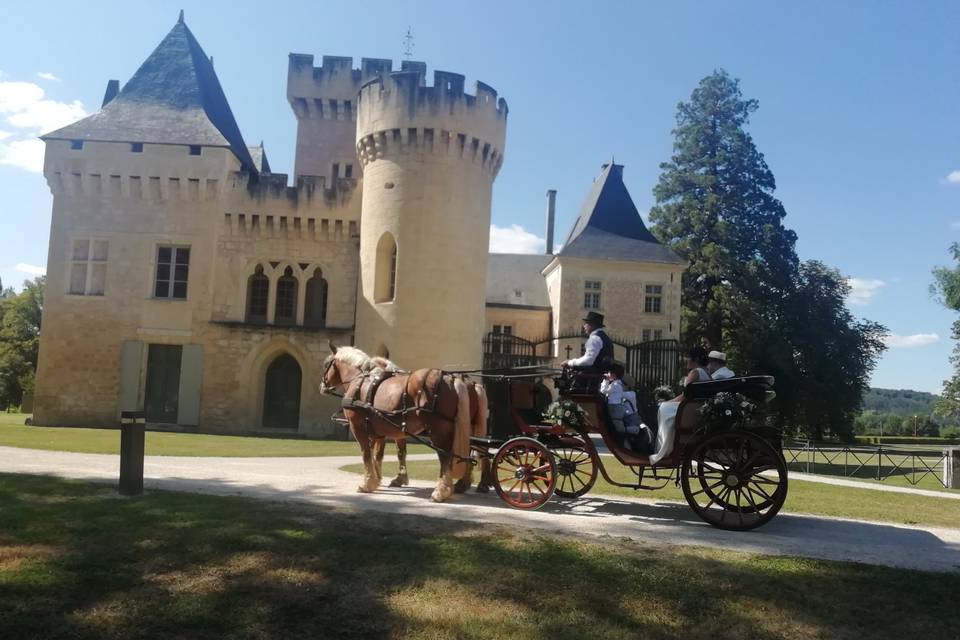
(194, 566)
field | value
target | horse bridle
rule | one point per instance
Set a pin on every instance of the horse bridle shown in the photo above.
(330, 390)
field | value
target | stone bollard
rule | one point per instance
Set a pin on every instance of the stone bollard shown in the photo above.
(951, 467)
(132, 425)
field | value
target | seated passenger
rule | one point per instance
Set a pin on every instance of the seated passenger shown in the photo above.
(667, 414)
(612, 389)
(717, 366)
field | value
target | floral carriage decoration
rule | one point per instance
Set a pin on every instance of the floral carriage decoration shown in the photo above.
(727, 409)
(567, 413)
(663, 393)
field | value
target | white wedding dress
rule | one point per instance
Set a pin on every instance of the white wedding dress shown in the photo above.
(666, 417)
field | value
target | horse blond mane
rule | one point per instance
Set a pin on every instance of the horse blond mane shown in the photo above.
(359, 359)
(353, 356)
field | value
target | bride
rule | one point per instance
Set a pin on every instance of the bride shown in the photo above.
(666, 415)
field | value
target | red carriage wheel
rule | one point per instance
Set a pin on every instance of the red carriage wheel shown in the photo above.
(526, 473)
(576, 471)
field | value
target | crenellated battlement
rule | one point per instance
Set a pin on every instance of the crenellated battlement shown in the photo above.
(261, 188)
(336, 79)
(398, 114)
(448, 88)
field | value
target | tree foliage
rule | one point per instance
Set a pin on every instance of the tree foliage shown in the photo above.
(946, 287)
(20, 316)
(745, 288)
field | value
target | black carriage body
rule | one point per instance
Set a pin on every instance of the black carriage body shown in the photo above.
(734, 478)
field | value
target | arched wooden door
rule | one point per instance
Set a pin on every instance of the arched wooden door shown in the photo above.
(281, 394)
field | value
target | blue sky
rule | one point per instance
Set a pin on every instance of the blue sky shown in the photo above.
(858, 115)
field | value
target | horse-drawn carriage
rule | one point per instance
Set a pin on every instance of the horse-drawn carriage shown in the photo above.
(732, 472)
(732, 475)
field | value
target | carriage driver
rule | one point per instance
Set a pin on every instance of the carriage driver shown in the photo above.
(598, 352)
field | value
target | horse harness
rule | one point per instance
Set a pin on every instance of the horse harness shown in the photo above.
(358, 398)
(352, 400)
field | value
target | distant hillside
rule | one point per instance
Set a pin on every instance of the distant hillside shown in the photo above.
(901, 402)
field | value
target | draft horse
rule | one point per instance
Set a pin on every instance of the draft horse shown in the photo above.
(381, 402)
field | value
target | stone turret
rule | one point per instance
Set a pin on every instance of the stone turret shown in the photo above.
(430, 155)
(324, 100)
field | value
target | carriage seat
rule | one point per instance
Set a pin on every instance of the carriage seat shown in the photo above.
(757, 388)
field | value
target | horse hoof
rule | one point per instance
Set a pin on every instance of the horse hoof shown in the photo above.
(399, 481)
(482, 488)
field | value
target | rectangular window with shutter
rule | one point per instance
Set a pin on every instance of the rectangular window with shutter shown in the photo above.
(173, 268)
(88, 267)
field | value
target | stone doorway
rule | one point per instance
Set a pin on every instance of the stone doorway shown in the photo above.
(162, 393)
(281, 394)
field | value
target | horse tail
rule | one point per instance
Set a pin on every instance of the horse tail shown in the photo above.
(460, 465)
(483, 411)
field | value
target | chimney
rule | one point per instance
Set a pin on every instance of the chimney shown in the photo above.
(113, 88)
(551, 213)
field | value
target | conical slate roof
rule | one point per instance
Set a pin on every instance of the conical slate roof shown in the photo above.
(609, 226)
(173, 98)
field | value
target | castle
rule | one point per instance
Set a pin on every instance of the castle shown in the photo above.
(188, 281)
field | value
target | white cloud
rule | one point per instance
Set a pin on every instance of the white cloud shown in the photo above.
(25, 108)
(894, 341)
(31, 269)
(514, 239)
(863, 289)
(24, 153)
(46, 75)
(953, 177)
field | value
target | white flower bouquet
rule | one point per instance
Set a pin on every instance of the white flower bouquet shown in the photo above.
(567, 413)
(727, 409)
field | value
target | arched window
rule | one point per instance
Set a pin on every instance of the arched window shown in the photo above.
(286, 311)
(315, 309)
(385, 284)
(258, 291)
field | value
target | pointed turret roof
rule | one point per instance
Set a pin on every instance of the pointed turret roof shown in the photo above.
(609, 226)
(173, 98)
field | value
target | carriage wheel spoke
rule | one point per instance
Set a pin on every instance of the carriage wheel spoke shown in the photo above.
(749, 496)
(760, 490)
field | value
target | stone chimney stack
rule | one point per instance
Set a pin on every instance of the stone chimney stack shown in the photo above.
(551, 214)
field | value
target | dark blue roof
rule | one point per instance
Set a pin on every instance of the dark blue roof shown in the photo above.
(174, 97)
(609, 226)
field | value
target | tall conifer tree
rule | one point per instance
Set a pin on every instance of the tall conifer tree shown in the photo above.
(745, 290)
(715, 206)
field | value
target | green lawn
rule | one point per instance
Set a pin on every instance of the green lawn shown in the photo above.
(13, 433)
(802, 497)
(78, 562)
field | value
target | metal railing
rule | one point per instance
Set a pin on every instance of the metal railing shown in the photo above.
(861, 461)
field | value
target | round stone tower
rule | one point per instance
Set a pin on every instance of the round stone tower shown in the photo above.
(430, 156)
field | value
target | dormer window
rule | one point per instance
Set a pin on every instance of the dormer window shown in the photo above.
(136, 147)
(76, 144)
(195, 149)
